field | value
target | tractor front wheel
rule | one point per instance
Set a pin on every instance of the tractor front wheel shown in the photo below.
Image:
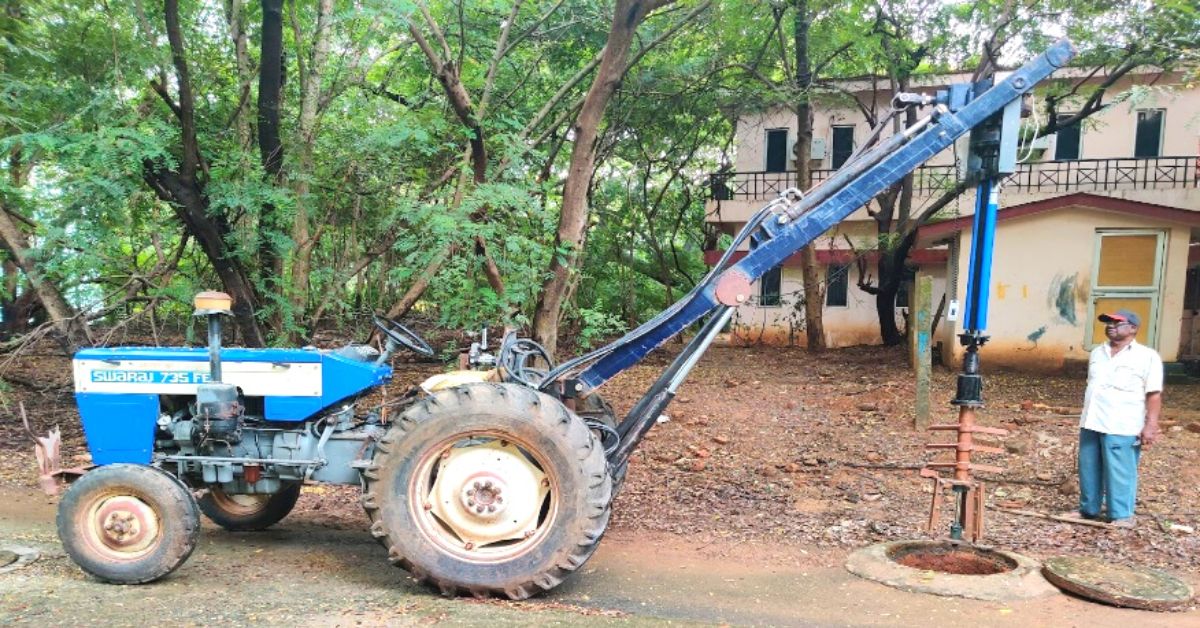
(128, 523)
(239, 513)
(489, 489)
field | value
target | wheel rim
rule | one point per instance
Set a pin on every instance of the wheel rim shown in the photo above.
(484, 497)
(239, 505)
(122, 527)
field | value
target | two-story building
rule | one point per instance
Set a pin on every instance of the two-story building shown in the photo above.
(1100, 216)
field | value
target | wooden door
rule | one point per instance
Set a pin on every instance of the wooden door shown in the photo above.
(1127, 274)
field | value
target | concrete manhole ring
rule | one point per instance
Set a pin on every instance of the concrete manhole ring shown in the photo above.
(13, 558)
(1022, 581)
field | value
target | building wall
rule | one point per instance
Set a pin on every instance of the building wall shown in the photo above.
(1037, 257)
(1039, 302)
(1106, 134)
(854, 324)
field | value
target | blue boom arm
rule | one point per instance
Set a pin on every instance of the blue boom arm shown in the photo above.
(793, 224)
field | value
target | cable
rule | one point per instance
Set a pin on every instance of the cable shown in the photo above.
(1036, 125)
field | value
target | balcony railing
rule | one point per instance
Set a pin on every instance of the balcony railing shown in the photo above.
(1050, 176)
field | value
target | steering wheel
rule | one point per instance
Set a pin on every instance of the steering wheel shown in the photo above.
(402, 335)
(517, 357)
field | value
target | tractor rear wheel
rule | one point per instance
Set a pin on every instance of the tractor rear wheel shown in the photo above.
(128, 523)
(489, 489)
(239, 513)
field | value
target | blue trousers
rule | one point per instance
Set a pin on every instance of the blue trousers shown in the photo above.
(1107, 473)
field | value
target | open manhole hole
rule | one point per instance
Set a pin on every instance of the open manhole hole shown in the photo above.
(951, 558)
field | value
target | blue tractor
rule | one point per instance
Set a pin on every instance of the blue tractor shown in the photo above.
(495, 480)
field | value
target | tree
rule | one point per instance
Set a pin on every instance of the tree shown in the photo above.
(573, 217)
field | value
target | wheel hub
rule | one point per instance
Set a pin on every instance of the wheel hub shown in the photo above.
(126, 523)
(484, 496)
(487, 492)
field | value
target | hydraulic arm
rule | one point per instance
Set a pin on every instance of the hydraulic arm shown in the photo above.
(795, 219)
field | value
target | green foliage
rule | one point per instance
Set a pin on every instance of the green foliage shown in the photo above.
(385, 179)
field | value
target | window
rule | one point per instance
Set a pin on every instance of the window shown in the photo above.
(777, 150)
(836, 283)
(768, 287)
(1148, 139)
(843, 144)
(1066, 143)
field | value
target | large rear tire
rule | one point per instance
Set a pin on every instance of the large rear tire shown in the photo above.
(128, 524)
(489, 489)
(241, 513)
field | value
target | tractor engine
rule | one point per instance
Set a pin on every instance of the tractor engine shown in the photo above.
(218, 413)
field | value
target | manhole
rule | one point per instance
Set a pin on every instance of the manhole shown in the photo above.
(951, 558)
(1119, 585)
(951, 569)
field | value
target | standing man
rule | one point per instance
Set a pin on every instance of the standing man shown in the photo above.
(1120, 416)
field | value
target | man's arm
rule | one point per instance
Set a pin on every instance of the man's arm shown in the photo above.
(1151, 432)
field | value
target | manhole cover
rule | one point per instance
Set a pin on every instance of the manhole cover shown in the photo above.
(1119, 585)
(7, 558)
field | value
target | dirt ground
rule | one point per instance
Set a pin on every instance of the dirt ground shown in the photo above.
(771, 461)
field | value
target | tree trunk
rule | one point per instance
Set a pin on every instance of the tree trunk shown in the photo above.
(814, 297)
(885, 299)
(270, 146)
(235, 17)
(573, 219)
(892, 255)
(421, 283)
(310, 97)
(72, 330)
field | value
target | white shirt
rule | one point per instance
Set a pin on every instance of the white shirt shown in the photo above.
(1115, 401)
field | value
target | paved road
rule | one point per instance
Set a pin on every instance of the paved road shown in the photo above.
(306, 573)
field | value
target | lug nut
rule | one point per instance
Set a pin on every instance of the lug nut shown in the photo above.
(479, 509)
(470, 503)
(499, 500)
(470, 492)
(491, 509)
(487, 484)
(477, 485)
(469, 546)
